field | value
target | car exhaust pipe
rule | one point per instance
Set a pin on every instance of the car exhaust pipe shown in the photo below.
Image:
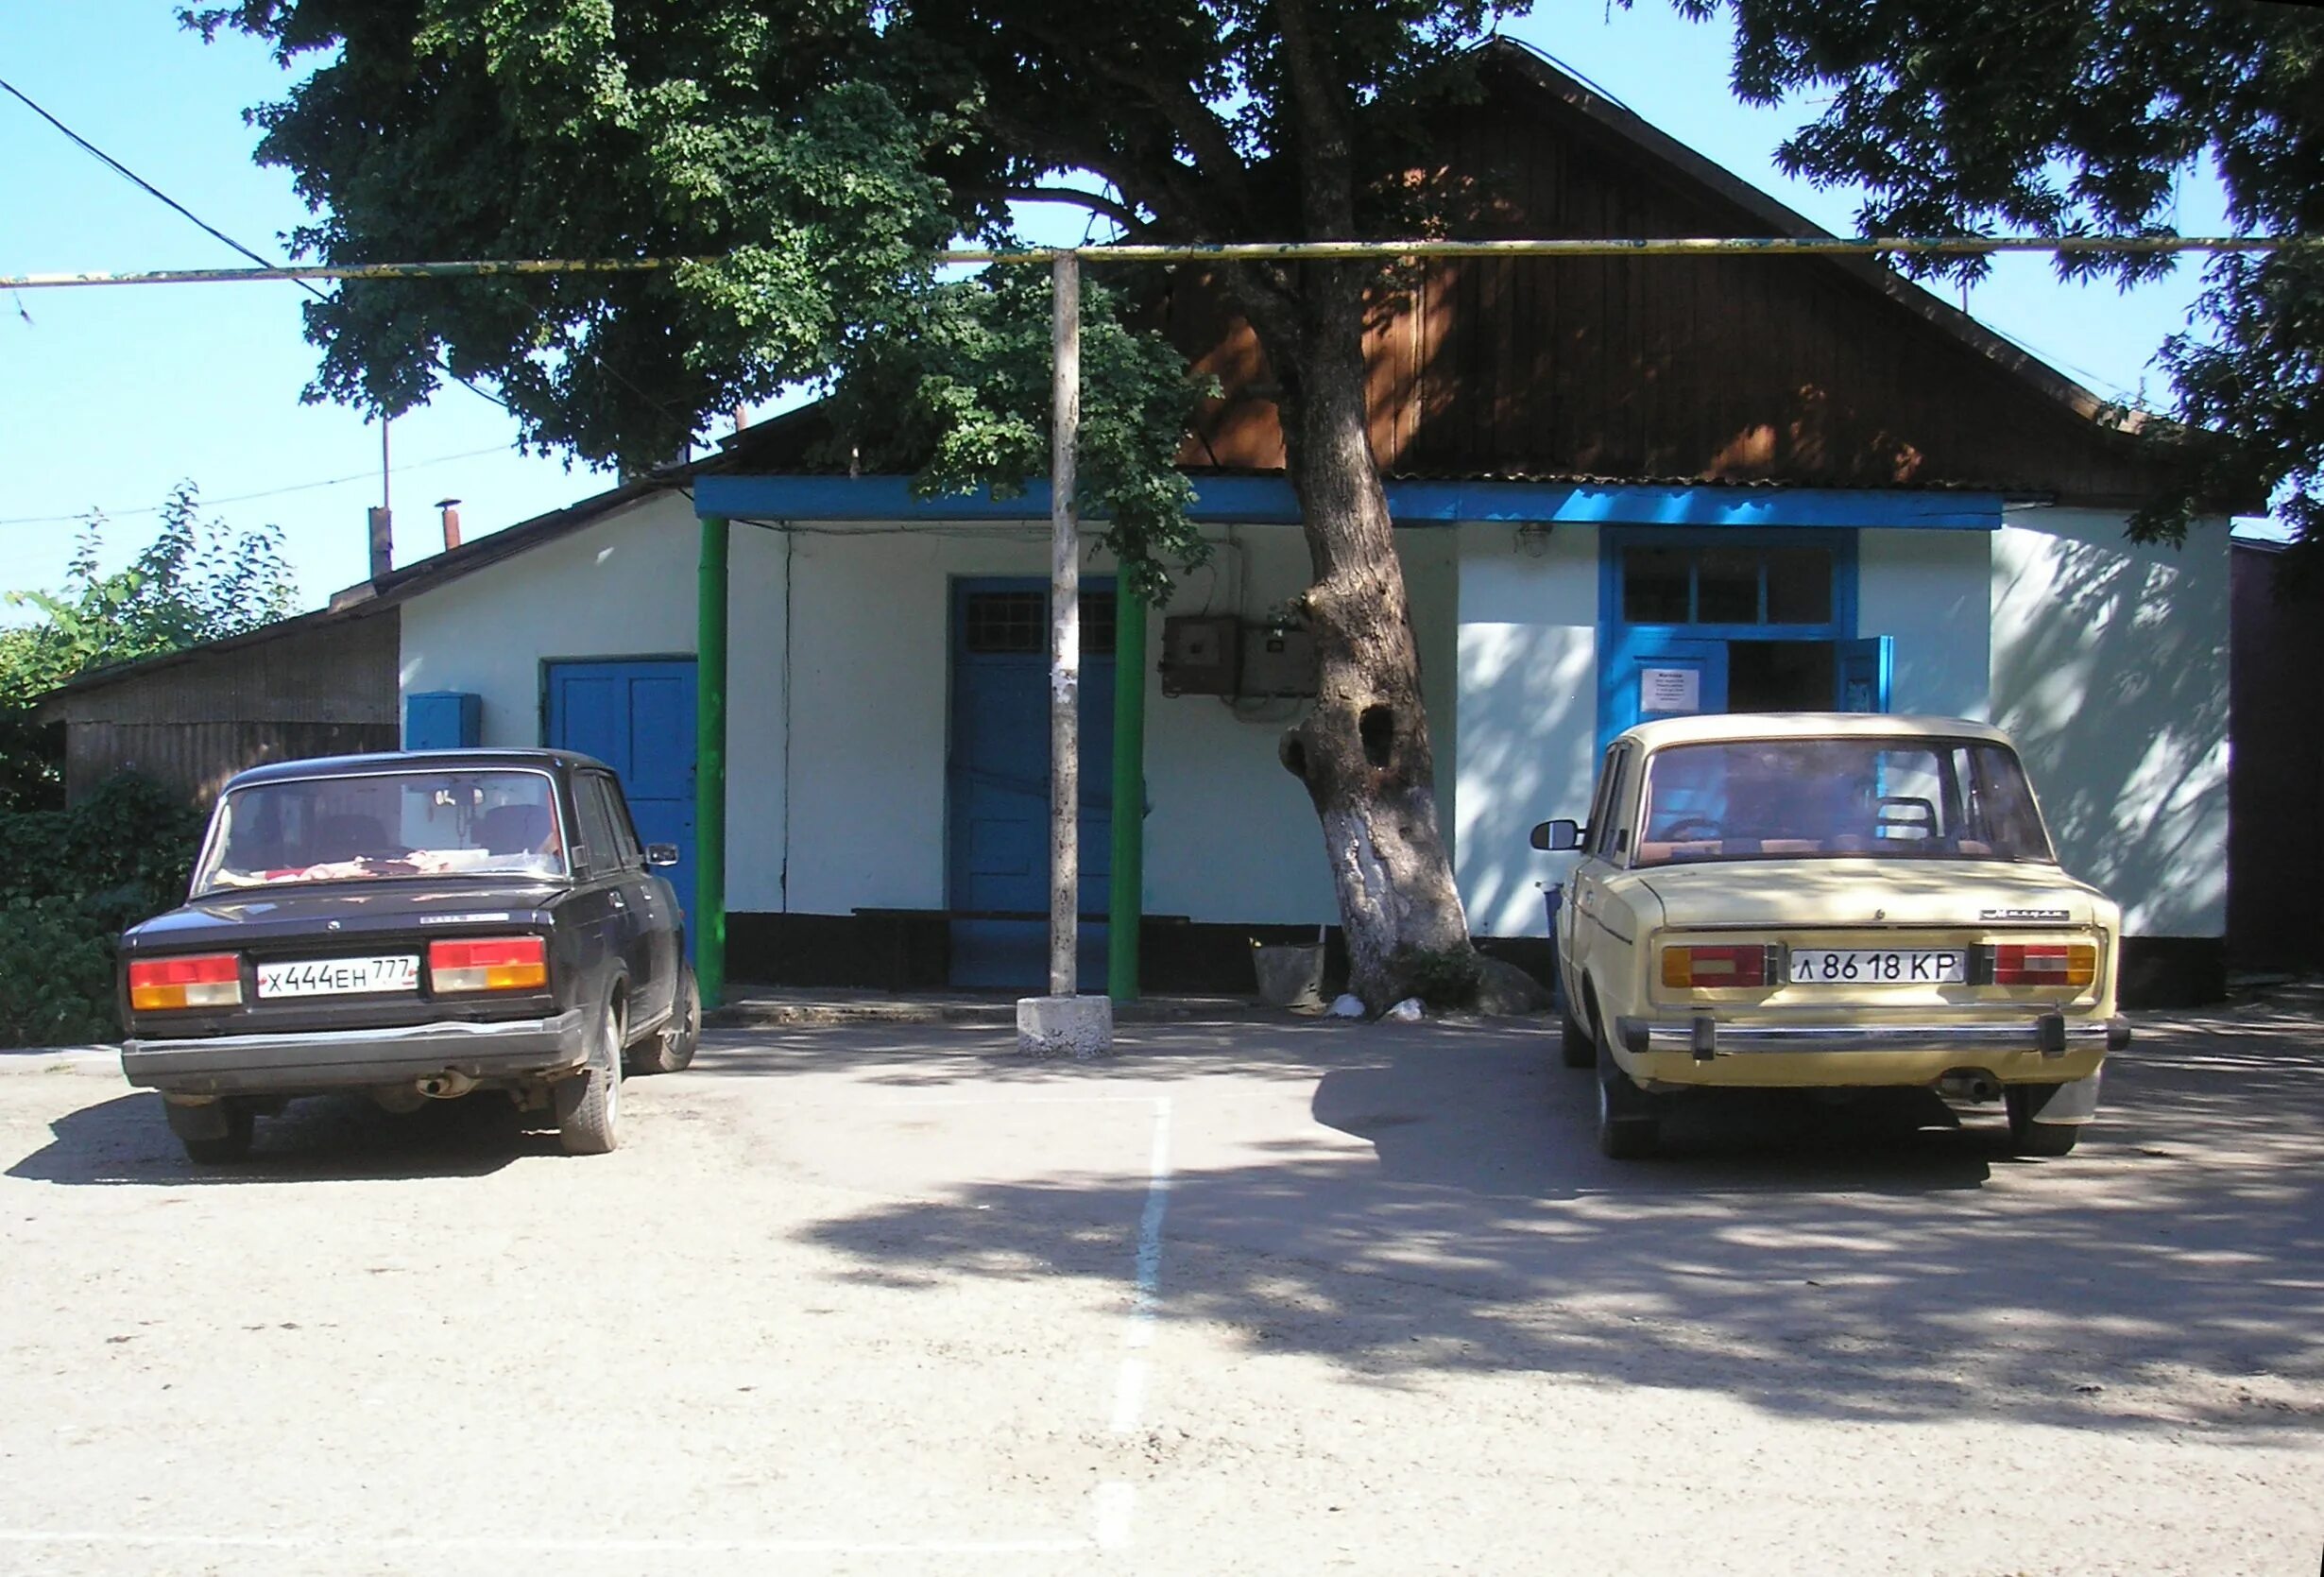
(1969, 1085)
(446, 1086)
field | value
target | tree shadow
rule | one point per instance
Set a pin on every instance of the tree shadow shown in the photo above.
(943, 1056)
(126, 1140)
(1883, 1260)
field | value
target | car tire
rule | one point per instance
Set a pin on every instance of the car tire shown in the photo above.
(1575, 1047)
(588, 1107)
(1629, 1123)
(670, 1047)
(2028, 1134)
(219, 1149)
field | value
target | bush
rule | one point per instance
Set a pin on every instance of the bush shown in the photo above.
(71, 881)
(56, 974)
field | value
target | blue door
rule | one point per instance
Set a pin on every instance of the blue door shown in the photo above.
(637, 715)
(1657, 675)
(996, 782)
(1864, 668)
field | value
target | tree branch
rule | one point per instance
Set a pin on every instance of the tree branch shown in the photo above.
(1097, 202)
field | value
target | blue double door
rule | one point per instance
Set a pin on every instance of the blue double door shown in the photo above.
(637, 715)
(997, 782)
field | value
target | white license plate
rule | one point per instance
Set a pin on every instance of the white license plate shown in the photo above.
(1878, 966)
(335, 977)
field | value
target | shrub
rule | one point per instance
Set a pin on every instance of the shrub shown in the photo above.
(56, 974)
(71, 881)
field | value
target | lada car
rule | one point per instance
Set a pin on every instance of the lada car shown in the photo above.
(1833, 901)
(415, 926)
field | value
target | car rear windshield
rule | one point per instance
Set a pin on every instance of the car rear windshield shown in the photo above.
(383, 826)
(1795, 799)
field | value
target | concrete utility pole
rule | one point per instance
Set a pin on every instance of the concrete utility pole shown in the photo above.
(1065, 1023)
(1065, 632)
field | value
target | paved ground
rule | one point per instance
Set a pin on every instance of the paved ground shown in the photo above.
(1317, 1298)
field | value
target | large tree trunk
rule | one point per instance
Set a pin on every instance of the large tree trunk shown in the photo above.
(1363, 751)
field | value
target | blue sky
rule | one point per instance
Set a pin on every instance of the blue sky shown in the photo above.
(108, 397)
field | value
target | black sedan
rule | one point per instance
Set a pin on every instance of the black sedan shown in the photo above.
(413, 926)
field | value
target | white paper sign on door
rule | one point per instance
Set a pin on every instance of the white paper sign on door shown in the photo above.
(1667, 689)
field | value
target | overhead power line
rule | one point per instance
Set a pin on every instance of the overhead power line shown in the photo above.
(205, 226)
(140, 181)
(1259, 252)
(246, 498)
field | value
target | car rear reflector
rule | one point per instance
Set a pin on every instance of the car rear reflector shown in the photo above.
(489, 964)
(1706, 969)
(2071, 964)
(208, 979)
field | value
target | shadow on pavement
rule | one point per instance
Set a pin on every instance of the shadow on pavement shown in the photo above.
(126, 1140)
(1874, 1261)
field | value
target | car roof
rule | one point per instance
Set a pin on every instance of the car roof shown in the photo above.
(1713, 728)
(414, 761)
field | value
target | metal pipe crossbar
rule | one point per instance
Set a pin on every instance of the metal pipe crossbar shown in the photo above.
(1262, 251)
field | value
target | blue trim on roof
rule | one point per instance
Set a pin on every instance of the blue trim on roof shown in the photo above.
(1268, 501)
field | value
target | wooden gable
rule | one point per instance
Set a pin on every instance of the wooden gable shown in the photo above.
(1809, 371)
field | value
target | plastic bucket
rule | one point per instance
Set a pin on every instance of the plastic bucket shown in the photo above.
(1289, 976)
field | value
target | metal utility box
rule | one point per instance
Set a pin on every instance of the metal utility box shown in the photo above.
(1277, 661)
(1199, 653)
(443, 720)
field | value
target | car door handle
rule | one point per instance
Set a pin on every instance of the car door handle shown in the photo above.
(618, 901)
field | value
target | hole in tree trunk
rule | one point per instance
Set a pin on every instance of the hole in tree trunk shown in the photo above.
(1376, 727)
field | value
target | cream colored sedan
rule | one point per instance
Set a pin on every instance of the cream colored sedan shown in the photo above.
(1830, 900)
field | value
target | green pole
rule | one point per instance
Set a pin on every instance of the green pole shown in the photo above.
(710, 916)
(1129, 875)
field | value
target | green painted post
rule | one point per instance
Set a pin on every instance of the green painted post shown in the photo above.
(710, 916)
(1129, 876)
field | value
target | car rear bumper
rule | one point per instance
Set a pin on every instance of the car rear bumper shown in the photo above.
(1704, 1038)
(348, 1059)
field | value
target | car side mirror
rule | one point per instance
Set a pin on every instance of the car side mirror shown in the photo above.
(661, 854)
(1557, 836)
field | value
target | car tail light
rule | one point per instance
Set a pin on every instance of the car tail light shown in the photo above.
(210, 980)
(1705, 969)
(2070, 964)
(489, 964)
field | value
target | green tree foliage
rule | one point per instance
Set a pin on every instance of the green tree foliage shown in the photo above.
(71, 881)
(815, 155)
(196, 580)
(1962, 116)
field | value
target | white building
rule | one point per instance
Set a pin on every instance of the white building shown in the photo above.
(1734, 484)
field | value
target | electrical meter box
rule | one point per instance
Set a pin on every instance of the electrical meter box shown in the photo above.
(1278, 660)
(1199, 653)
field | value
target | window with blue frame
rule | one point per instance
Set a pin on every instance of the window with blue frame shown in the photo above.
(1724, 618)
(1746, 586)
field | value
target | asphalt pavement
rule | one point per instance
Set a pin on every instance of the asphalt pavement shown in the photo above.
(1248, 1297)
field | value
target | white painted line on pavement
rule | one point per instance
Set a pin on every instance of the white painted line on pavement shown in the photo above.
(1116, 1501)
(1129, 1395)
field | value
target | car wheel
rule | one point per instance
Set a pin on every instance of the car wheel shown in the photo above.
(2028, 1134)
(1629, 1125)
(207, 1145)
(672, 1047)
(588, 1107)
(1575, 1047)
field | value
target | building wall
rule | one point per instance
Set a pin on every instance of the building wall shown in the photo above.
(2110, 671)
(837, 686)
(1931, 591)
(2277, 791)
(624, 587)
(1230, 835)
(321, 687)
(1528, 701)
